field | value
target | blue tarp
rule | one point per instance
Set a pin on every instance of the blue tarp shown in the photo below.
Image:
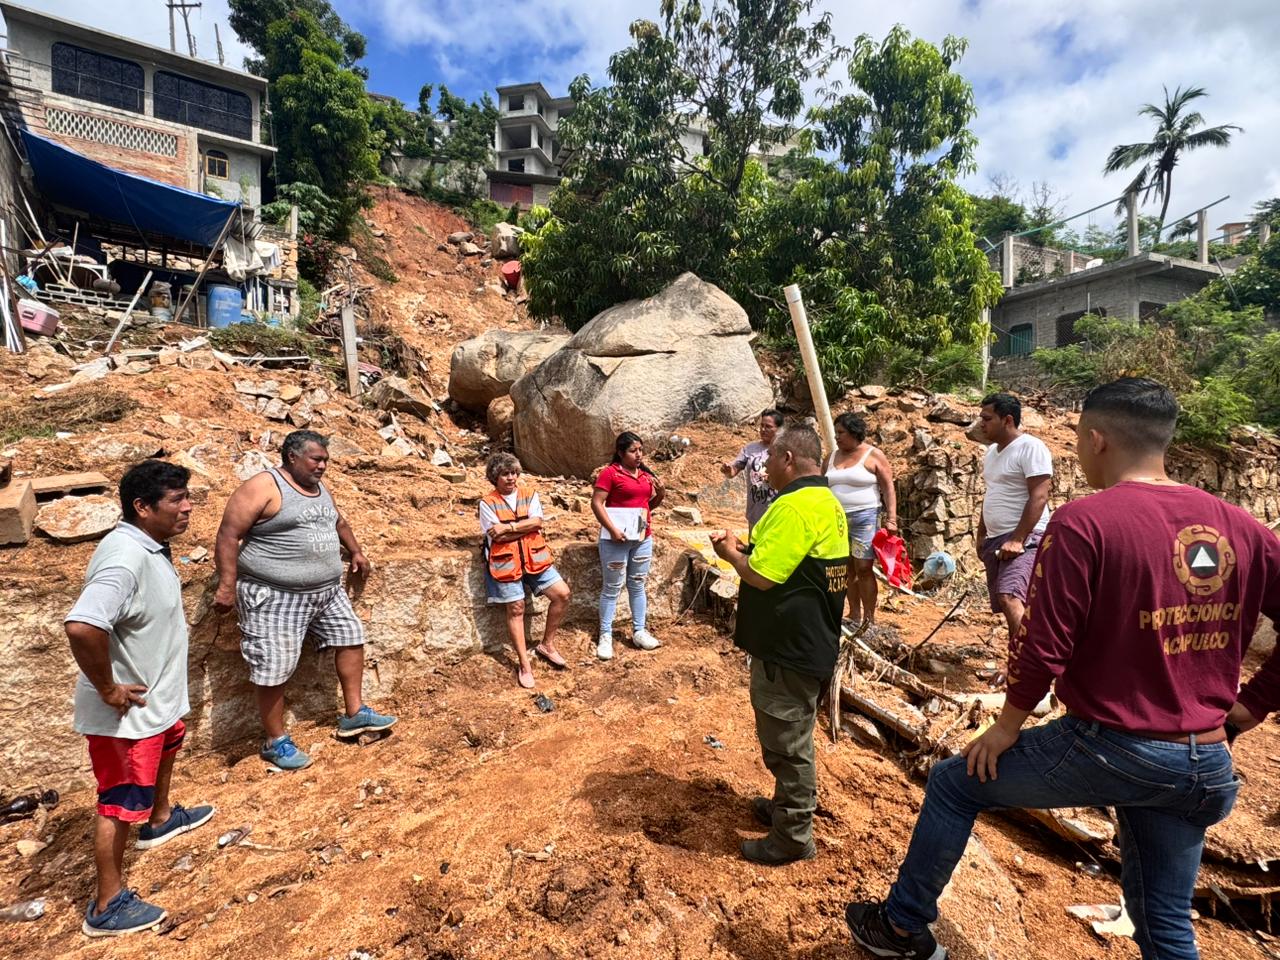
(70, 179)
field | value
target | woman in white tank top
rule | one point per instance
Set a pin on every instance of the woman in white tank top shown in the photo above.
(861, 479)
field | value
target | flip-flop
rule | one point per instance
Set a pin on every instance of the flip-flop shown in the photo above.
(551, 656)
(525, 678)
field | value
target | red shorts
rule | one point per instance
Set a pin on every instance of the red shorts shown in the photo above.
(126, 771)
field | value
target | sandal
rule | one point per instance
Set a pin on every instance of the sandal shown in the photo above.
(551, 656)
(525, 678)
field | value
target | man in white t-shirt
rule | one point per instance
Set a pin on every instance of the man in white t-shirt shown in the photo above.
(1018, 471)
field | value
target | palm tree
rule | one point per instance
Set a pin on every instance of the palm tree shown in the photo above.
(1176, 132)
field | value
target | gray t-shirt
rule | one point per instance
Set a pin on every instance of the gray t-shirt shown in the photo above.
(133, 593)
(298, 548)
(750, 461)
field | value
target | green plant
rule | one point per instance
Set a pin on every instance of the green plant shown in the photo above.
(945, 370)
(1211, 410)
(308, 303)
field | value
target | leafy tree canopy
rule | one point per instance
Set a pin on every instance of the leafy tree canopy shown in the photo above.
(678, 165)
(252, 19)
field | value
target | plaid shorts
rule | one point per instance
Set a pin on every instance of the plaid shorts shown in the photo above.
(126, 771)
(274, 623)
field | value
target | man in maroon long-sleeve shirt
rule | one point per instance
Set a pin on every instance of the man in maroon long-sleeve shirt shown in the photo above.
(1144, 600)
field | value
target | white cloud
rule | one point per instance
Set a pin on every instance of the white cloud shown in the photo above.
(1065, 75)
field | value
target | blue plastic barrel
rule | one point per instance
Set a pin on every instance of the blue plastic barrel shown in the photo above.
(224, 305)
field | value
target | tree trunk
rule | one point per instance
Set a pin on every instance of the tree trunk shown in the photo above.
(1164, 207)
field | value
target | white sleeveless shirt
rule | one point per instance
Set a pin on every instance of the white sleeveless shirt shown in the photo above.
(855, 486)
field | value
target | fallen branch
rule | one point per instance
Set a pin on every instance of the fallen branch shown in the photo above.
(879, 714)
(950, 613)
(903, 679)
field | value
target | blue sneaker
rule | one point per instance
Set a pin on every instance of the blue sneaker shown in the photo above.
(366, 720)
(181, 820)
(126, 913)
(284, 753)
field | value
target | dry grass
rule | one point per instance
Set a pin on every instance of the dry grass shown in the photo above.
(63, 411)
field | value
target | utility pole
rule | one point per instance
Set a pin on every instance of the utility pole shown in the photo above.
(185, 9)
(218, 39)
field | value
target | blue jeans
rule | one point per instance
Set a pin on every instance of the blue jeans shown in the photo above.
(1164, 794)
(624, 561)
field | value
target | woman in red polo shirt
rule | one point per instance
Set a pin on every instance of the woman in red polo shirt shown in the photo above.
(625, 491)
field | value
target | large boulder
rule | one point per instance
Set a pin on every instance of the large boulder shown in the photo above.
(504, 241)
(649, 366)
(484, 367)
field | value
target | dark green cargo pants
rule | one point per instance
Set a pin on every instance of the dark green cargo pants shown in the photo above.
(786, 705)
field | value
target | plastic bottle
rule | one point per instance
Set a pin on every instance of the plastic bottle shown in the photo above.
(25, 910)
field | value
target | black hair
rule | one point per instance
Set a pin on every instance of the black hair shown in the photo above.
(1141, 413)
(774, 415)
(1005, 405)
(623, 444)
(149, 481)
(802, 442)
(853, 425)
(297, 441)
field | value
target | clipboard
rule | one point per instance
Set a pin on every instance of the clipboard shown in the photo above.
(632, 521)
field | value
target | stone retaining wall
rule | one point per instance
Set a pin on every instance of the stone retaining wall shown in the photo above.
(419, 611)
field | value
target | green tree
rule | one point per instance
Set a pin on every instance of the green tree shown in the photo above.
(467, 147)
(659, 163)
(1266, 211)
(322, 114)
(1177, 131)
(251, 20)
(396, 129)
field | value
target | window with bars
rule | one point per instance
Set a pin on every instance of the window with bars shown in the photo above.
(1022, 339)
(216, 165)
(204, 105)
(82, 73)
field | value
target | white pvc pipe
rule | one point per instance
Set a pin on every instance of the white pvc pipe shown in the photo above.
(800, 320)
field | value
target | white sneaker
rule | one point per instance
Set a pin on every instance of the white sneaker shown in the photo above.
(604, 649)
(646, 640)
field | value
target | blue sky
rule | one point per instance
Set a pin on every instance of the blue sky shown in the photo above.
(1057, 84)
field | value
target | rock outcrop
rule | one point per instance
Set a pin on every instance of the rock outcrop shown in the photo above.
(649, 366)
(485, 367)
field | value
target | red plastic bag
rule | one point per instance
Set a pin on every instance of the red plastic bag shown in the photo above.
(891, 551)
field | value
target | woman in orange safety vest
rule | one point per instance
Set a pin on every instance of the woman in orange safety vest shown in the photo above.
(517, 559)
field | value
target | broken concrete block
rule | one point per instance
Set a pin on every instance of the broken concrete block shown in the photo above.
(119, 448)
(454, 475)
(689, 514)
(252, 463)
(17, 512)
(75, 519)
(340, 446)
(168, 357)
(267, 388)
(67, 483)
(399, 447)
(871, 391)
(440, 458)
(397, 393)
(276, 409)
(945, 411)
(290, 392)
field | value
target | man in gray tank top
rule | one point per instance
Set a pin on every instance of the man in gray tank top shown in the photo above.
(280, 567)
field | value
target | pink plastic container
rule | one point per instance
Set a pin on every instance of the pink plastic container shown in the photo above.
(36, 317)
